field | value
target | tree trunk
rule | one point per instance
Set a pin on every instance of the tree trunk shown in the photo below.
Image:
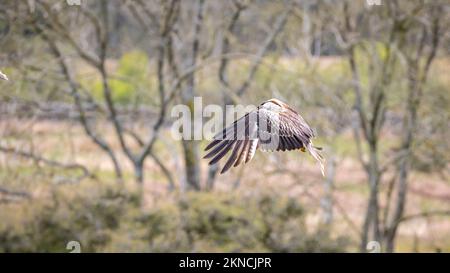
(404, 165)
(139, 173)
(190, 147)
(327, 200)
(371, 221)
(191, 158)
(213, 170)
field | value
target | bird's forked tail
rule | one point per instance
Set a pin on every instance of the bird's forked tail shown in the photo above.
(314, 151)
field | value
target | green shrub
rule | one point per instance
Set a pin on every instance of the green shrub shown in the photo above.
(111, 220)
(130, 83)
(232, 223)
(87, 219)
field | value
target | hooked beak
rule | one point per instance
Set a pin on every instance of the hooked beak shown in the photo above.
(3, 76)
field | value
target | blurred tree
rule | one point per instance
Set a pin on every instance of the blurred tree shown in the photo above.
(410, 33)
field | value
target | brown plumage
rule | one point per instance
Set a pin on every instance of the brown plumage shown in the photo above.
(272, 126)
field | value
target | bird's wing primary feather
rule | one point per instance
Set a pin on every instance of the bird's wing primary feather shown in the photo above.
(233, 156)
(242, 153)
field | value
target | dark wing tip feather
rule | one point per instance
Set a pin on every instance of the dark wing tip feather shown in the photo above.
(212, 144)
(223, 152)
(233, 157)
(243, 153)
(217, 149)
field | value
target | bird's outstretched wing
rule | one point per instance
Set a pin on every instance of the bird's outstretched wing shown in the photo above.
(240, 137)
(264, 128)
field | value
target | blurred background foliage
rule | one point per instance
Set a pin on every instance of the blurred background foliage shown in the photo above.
(63, 178)
(109, 219)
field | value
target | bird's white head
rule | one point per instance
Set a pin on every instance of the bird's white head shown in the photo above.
(275, 105)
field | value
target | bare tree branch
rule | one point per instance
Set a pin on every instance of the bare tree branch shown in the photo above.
(279, 24)
(23, 194)
(53, 163)
(75, 94)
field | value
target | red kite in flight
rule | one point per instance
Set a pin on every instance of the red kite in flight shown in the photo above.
(272, 126)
